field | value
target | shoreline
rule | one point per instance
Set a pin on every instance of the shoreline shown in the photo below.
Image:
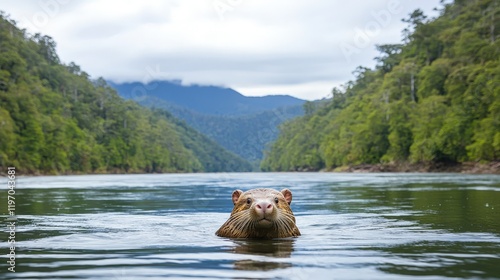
(459, 168)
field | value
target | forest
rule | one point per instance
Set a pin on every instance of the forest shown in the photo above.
(241, 124)
(434, 98)
(55, 119)
(244, 135)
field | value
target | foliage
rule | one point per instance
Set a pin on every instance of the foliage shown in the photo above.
(243, 125)
(245, 135)
(54, 119)
(435, 98)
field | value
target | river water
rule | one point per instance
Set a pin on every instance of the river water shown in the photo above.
(354, 226)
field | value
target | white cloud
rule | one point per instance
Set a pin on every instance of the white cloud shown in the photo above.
(303, 48)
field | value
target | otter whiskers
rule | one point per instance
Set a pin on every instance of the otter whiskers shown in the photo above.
(260, 213)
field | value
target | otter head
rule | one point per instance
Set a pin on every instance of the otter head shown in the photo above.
(260, 213)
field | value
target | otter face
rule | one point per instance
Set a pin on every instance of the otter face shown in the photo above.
(263, 206)
(260, 213)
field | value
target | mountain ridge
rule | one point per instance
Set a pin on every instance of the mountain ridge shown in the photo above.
(245, 135)
(244, 130)
(206, 99)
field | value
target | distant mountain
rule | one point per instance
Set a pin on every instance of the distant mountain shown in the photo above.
(243, 125)
(246, 135)
(212, 156)
(212, 100)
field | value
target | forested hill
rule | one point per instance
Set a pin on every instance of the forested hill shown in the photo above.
(244, 135)
(243, 125)
(435, 98)
(54, 120)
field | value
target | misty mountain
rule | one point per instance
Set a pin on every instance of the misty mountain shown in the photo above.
(243, 125)
(212, 100)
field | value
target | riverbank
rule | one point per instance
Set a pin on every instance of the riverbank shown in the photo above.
(20, 172)
(465, 167)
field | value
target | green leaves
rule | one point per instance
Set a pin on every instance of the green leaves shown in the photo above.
(427, 122)
(434, 99)
(54, 119)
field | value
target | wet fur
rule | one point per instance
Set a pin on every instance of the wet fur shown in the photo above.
(243, 224)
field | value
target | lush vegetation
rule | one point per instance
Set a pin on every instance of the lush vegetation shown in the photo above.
(246, 136)
(435, 98)
(55, 119)
(243, 125)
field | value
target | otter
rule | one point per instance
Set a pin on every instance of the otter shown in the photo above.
(260, 213)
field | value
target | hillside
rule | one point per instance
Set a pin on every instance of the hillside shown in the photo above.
(433, 99)
(243, 125)
(203, 99)
(55, 120)
(246, 136)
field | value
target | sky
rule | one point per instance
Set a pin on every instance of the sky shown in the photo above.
(301, 48)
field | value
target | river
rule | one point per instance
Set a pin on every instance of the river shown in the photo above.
(354, 226)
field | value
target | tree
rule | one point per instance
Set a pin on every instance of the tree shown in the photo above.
(433, 99)
(390, 56)
(54, 119)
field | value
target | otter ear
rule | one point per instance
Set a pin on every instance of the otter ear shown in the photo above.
(236, 195)
(287, 194)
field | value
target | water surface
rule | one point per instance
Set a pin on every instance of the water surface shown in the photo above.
(371, 226)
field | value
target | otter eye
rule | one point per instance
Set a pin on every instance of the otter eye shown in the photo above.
(276, 200)
(249, 201)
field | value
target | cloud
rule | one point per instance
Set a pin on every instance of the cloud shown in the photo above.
(303, 48)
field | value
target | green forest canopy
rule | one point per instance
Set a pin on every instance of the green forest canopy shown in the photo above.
(435, 98)
(54, 119)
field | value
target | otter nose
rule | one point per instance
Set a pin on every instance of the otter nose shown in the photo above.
(264, 207)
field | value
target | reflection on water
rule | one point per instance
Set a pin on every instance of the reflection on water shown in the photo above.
(276, 252)
(447, 258)
(373, 226)
(440, 205)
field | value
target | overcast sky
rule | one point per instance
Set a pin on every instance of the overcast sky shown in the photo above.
(301, 47)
